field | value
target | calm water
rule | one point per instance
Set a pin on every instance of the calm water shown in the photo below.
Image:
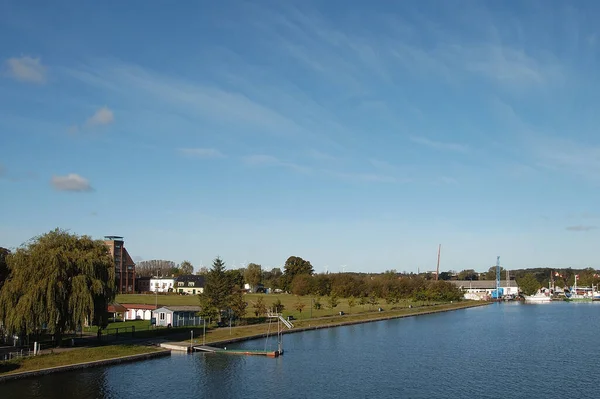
(501, 350)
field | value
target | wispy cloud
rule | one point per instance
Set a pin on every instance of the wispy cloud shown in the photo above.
(439, 145)
(26, 69)
(567, 155)
(203, 153)
(269, 160)
(365, 177)
(581, 228)
(71, 182)
(103, 116)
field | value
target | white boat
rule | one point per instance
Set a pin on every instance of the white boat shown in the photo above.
(539, 297)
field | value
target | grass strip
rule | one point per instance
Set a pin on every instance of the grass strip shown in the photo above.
(72, 357)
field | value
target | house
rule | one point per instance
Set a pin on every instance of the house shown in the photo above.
(190, 284)
(482, 289)
(177, 316)
(135, 311)
(162, 284)
(142, 284)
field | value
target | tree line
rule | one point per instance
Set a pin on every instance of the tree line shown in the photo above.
(162, 268)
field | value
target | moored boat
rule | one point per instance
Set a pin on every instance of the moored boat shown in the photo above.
(539, 297)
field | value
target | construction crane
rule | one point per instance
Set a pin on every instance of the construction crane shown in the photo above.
(498, 277)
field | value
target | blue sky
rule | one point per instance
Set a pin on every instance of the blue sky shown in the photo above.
(347, 133)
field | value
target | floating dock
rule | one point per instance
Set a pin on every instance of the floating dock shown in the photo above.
(250, 352)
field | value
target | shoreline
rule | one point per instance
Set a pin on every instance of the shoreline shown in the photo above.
(185, 345)
(84, 365)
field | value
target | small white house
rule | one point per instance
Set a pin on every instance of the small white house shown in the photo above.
(138, 311)
(162, 284)
(177, 316)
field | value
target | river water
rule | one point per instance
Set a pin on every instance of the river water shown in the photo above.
(502, 350)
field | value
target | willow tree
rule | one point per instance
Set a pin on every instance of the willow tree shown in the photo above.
(59, 282)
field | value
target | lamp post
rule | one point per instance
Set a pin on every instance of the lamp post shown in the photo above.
(192, 339)
(204, 335)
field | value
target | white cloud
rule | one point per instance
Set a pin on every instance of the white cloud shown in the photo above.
(71, 182)
(26, 69)
(439, 145)
(103, 116)
(203, 153)
(581, 228)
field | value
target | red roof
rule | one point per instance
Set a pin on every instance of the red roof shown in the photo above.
(116, 308)
(138, 306)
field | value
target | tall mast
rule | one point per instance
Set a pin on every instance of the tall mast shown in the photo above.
(437, 271)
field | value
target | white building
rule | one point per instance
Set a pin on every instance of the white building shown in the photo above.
(162, 284)
(138, 311)
(482, 289)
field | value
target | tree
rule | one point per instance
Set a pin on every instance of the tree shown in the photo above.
(272, 278)
(362, 301)
(332, 302)
(203, 271)
(373, 301)
(260, 308)
(155, 267)
(186, 267)
(468, 274)
(299, 306)
(3, 266)
(491, 273)
(58, 280)
(445, 276)
(301, 284)
(317, 305)
(528, 284)
(351, 302)
(217, 289)
(237, 304)
(253, 275)
(236, 278)
(278, 306)
(294, 265)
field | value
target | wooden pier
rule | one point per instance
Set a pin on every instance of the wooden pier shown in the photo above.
(249, 352)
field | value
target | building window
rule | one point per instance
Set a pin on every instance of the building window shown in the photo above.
(162, 316)
(180, 284)
(191, 284)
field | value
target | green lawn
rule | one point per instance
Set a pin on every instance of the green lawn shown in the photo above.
(289, 301)
(74, 356)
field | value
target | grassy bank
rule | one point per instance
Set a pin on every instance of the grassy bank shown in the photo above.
(224, 334)
(71, 357)
(290, 303)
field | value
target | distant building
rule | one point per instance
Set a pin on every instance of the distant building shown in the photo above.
(482, 289)
(142, 284)
(162, 284)
(124, 265)
(177, 316)
(189, 284)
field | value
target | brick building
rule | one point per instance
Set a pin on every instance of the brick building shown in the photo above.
(124, 265)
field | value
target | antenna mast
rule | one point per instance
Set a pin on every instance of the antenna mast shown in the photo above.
(437, 270)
